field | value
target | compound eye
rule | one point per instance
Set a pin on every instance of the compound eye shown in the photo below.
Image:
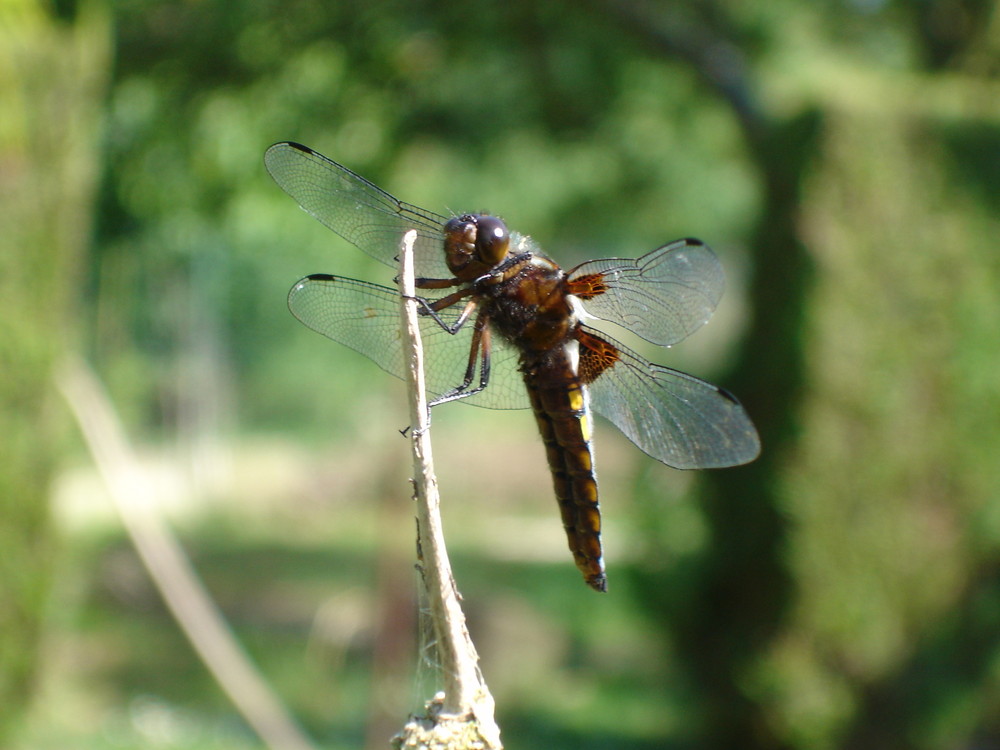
(492, 239)
(461, 229)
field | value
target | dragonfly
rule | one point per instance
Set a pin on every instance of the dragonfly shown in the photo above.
(505, 327)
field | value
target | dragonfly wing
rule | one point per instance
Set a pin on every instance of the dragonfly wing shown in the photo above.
(673, 417)
(357, 210)
(664, 296)
(366, 318)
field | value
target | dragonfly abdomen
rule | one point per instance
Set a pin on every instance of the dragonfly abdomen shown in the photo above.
(559, 401)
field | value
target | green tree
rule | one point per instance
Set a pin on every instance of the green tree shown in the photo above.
(53, 73)
(839, 568)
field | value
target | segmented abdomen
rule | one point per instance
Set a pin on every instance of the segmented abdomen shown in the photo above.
(559, 401)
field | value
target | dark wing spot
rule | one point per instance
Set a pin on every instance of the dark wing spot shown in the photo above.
(596, 356)
(587, 286)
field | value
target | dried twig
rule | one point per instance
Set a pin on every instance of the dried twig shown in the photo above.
(168, 566)
(463, 716)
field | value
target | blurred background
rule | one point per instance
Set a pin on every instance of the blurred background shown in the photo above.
(841, 156)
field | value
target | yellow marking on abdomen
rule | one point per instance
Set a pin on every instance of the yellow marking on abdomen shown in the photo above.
(575, 399)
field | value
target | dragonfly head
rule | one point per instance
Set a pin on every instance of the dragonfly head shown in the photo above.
(474, 244)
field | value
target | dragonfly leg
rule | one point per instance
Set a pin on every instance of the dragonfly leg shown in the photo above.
(431, 309)
(481, 345)
(501, 268)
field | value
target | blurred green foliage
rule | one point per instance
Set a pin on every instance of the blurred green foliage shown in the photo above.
(52, 79)
(842, 157)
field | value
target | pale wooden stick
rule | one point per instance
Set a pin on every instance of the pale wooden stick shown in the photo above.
(463, 716)
(168, 566)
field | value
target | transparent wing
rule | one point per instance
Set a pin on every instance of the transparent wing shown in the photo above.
(360, 212)
(673, 417)
(365, 317)
(664, 296)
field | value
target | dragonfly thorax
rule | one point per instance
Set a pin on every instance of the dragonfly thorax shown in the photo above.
(530, 306)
